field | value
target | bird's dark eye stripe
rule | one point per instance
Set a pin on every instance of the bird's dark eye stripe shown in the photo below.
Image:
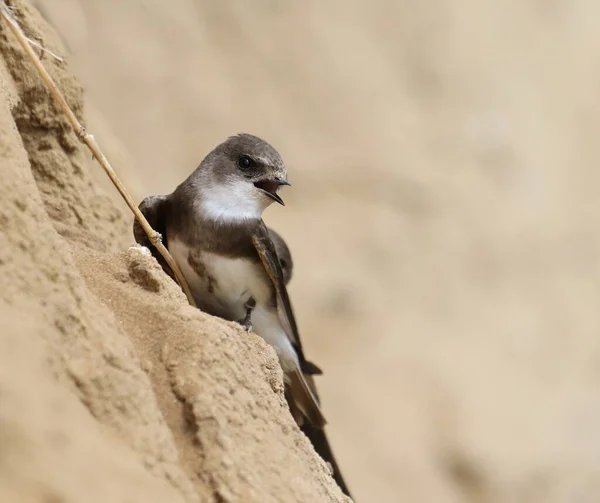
(245, 162)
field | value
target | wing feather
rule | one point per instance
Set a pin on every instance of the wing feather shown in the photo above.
(154, 208)
(268, 256)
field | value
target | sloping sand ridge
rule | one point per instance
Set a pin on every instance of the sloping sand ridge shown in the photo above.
(112, 388)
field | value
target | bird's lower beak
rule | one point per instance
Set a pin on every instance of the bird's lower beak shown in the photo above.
(270, 187)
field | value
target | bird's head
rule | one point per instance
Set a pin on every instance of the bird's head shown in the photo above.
(240, 178)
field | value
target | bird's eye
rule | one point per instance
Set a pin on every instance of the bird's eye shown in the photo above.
(245, 162)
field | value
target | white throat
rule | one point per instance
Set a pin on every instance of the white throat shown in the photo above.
(233, 201)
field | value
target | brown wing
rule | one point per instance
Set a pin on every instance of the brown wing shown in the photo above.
(154, 208)
(268, 255)
(284, 255)
(307, 400)
(287, 266)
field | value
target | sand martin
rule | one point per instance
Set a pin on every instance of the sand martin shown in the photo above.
(212, 226)
(236, 267)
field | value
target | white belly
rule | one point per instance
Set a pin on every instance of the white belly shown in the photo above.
(235, 281)
(227, 283)
(266, 323)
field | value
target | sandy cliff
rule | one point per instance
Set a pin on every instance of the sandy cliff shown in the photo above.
(444, 155)
(112, 388)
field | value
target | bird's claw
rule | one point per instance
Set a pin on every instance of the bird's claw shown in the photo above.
(246, 324)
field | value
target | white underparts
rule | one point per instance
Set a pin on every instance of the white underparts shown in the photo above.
(232, 280)
(235, 280)
(266, 323)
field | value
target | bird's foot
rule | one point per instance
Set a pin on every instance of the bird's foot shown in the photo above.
(246, 322)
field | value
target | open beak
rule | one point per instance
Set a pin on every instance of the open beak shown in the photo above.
(269, 187)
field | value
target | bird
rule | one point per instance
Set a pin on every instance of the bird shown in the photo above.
(236, 267)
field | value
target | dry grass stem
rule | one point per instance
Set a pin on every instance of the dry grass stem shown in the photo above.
(88, 139)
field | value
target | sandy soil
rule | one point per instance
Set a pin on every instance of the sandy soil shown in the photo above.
(443, 155)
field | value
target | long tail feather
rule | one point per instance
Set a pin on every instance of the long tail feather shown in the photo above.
(304, 399)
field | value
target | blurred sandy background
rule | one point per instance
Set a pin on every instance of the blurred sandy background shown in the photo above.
(444, 215)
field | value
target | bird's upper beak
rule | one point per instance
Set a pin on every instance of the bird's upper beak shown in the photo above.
(270, 187)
